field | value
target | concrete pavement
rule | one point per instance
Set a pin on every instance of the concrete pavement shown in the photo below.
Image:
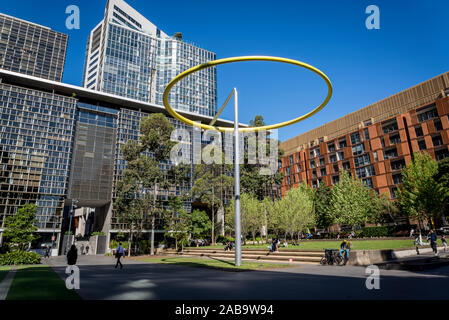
(143, 281)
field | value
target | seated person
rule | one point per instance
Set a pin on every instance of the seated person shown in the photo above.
(345, 246)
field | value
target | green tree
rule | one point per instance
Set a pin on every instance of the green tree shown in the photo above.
(442, 177)
(20, 228)
(421, 196)
(251, 179)
(213, 185)
(322, 201)
(383, 210)
(296, 210)
(178, 222)
(351, 201)
(201, 224)
(137, 202)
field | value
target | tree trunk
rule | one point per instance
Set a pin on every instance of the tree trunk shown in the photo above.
(153, 218)
(130, 241)
(152, 236)
(213, 226)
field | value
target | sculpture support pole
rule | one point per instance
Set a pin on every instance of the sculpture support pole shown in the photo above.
(238, 239)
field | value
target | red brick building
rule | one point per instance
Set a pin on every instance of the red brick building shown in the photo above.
(375, 142)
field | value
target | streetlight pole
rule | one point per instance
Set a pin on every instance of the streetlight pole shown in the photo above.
(238, 239)
(71, 213)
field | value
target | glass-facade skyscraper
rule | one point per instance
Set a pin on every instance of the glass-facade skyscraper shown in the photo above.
(60, 143)
(31, 49)
(129, 56)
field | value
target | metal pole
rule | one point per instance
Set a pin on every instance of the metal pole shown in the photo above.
(71, 213)
(238, 240)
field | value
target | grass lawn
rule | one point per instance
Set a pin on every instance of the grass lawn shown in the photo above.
(321, 245)
(4, 271)
(212, 263)
(39, 282)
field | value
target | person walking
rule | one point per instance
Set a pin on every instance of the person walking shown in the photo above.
(47, 251)
(433, 241)
(119, 252)
(87, 249)
(412, 231)
(443, 239)
(72, 255)
(82, 249)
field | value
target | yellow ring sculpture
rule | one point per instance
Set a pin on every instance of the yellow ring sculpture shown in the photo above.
(240, 59)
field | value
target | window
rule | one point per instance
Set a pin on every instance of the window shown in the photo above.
(437, 141)
(346, 165)
(389, 126)
(323, 172)
(427, 113)
(320, 140)
(366, 133)
(314, 173)
(358, 149)
(288, 171)
(368, 182)
(298, 165)
(418, 131)
(314, 184)
(367, 122)
(340, 155)
(398, 164)
(422, 144)
(312, 163)
(332, 158)
(291, 159)
(294, 178)
(365, 172)
(393, 193)
(382, 142)
(322, 162)
(391, 153)
(342, 143)
(288, 180)
(395, 139)
(335, 168)
(375, 155)
(441, 154)
(397, 178)
(362, 160)
(335, 179)
(438, 125)
(331, 147)
(355, 138)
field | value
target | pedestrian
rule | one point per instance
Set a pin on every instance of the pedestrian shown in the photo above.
(72, 255)
(119, 252)
(412, 231)
(82, 249)
(443, 239)
(47, 252)
(433, 241)
(87, 249)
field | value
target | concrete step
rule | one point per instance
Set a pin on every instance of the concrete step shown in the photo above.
(258, 252)
(312, 259)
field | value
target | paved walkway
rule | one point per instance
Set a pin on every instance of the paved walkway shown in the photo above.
(6, 283)
(141, 281)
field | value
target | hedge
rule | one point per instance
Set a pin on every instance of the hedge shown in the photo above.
(19, 257)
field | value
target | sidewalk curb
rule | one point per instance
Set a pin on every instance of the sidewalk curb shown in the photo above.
(5, 285)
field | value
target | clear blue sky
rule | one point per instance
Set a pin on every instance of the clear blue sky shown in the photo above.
(364, 65)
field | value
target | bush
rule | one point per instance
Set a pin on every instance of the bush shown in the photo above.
(98, 233)
(114, 244)
(224, 239)
(368, 232)
(19, 257)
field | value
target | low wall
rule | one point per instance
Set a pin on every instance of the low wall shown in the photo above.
(367, 257)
